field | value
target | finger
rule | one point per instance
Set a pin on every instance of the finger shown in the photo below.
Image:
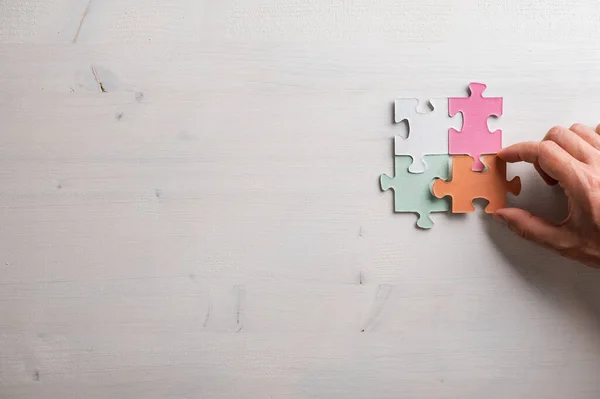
(598, 129)
(536, 229)
(558, 164)
(524, 152)
(552, 159)
(587, 134)
(549, 181)
(571, 142)
(521, 152)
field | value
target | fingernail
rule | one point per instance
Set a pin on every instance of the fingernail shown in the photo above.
(500, 220)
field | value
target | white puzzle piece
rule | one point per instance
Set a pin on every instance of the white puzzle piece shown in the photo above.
(427, 131)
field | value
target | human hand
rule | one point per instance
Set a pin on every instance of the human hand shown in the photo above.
(571, 158)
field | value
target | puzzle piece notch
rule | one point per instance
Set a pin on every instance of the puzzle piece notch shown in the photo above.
(475, 138)
(467, 185)
(427, 131)
(412, 192)
(418, 164)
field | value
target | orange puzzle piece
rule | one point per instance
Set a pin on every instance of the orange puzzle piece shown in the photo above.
(467, 184)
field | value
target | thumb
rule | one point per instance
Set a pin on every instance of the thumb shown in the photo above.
(536, 229)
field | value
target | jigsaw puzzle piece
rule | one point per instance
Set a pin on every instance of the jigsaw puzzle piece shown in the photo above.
(475, 137)
(418, 164)
(412, 191)
(466, 185)
(475, 146)
(427, 131)
(476, 109)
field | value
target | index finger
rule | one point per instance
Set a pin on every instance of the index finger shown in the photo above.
(551, 158)
(527, 151)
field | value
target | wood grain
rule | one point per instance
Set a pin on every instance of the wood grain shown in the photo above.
(207, 221)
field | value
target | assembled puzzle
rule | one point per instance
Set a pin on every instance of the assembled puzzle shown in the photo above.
(436, 151)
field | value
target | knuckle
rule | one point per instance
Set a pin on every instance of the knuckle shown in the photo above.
(565, 244)
(523, 233)
(578, 126)
(555, 133)
(568, 250)
(545, 149)
(520, 231)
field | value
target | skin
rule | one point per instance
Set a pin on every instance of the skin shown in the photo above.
(569, 157)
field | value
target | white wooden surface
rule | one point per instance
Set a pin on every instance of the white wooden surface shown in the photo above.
(210, 226)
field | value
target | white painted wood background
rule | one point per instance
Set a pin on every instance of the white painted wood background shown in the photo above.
(211, 226)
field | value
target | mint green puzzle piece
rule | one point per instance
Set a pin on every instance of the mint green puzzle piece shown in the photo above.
(412, 191)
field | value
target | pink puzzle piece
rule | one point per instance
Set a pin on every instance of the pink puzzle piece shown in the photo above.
(475, 138)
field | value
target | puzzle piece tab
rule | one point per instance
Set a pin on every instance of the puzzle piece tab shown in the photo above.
(427, 131)
(412, 191)
(467, 185)
(475, 138)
